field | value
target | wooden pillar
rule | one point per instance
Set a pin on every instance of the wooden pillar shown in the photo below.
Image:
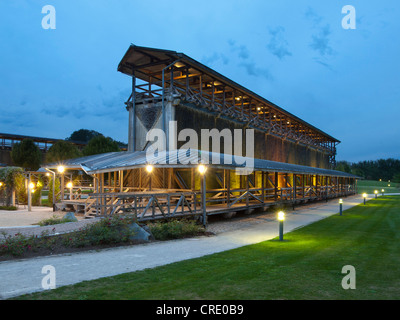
(294, 187)
(102, 199)
(132, 115)
(276, 186)
(247, 191)
(121, 180)
(228, 186)
(263, 186)
(62, 186)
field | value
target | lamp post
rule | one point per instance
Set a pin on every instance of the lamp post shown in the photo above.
(69, 186)
(376, 194)
(365, 197)
(149, 169)
(54, 189)
(61, 170)
(340, 206)
(383, 192)
(202, 170)
(281, 218)
(31, 186)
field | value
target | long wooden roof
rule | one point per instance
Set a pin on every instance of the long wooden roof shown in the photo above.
(146, 63)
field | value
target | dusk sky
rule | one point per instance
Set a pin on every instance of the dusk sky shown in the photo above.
(294, 53)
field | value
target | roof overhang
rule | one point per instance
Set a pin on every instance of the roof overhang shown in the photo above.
(144, 61)
(126, 160)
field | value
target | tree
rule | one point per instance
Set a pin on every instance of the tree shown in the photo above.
(83, 135)
(26, 154)
(62, 150)
(101, 144)
(343, 166)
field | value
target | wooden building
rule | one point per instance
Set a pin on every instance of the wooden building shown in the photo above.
(292, 160)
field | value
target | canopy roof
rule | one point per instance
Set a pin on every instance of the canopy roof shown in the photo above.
(125, 160)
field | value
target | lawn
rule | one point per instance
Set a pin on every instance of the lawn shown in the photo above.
(307, 265)
(369, 186)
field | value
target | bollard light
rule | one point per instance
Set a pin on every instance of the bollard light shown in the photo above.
(202, 170)
(281, 218)
(383, 192)
(365, 197)
(340, 206)
(376, 194)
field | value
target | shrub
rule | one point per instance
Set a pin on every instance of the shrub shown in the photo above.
(53, 220)
(115, 229)
(175, 229)
(11, 208)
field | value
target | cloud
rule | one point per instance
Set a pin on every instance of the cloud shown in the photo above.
(277, 44)
(324, 64)
(312, 16)
(241, 50)
(210, 60)
(253, 70)
(246, 62)
(320, 41)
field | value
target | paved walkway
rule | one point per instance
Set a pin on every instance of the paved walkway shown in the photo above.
(25, 276)
(24, 218)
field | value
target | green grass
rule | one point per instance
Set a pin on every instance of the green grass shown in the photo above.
(369, 186)
(307, 265)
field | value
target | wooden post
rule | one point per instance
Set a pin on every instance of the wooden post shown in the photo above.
(263, 186)
(121, 180)
(62, 186)
(132, 116)
(29, 193)
(247, 192)
(228, 187)
(294, 187)
(276, 186)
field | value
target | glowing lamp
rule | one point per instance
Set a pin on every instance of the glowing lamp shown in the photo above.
(281, 216)
(202, 169)
(149, 168)
(60, 169)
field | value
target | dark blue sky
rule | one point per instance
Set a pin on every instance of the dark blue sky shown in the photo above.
(294, 53)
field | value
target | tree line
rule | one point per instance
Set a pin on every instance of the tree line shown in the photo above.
(26, 154)
(385, 169)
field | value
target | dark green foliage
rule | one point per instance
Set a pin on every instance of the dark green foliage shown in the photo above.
(53, 220)
(385, 169)
(175, 229)
(8, 208)
(13, 179)
(104, 232)
(101, 144)
(62, 150)
(26, 154)
(83, 135)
